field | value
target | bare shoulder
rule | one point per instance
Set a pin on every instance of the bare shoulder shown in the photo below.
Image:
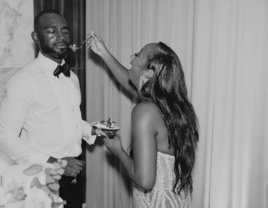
(146, 114)
(144, 109)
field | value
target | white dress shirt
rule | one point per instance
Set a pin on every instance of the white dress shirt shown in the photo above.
(40, 115)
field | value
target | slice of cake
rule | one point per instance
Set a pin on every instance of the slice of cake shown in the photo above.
(109, 125)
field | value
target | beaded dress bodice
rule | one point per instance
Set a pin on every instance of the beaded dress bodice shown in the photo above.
(161, 196)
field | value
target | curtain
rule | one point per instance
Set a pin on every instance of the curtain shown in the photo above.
(229, 91)
(74, 13)
(222, 45)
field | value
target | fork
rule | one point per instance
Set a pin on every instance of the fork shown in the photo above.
(74, 181)
(74, 47)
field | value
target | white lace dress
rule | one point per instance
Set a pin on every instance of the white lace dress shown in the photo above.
(161, 196)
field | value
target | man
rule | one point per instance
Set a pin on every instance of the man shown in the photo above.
(40, 118)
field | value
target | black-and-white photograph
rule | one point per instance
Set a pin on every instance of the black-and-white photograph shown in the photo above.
(133, 103)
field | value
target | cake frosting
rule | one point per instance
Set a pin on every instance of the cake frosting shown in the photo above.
(106, 125)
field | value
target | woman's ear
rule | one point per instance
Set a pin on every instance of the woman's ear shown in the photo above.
(35, 37)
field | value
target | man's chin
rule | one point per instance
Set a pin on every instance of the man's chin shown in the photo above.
(62, 55)
(59, 51)
(57, 55)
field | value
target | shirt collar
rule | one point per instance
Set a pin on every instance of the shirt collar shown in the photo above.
(48, 63)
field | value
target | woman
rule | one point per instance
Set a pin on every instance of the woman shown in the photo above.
(164, 126)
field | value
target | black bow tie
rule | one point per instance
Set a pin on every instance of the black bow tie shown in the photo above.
(62, 69)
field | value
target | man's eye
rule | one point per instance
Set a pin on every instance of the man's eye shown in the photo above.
(65, 32)
(51, 31)
(136, 54)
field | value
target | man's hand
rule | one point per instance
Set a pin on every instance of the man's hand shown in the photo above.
(73, 166)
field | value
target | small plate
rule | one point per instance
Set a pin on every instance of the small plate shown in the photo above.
(104, 127)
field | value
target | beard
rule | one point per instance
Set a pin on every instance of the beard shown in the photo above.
(46, 49)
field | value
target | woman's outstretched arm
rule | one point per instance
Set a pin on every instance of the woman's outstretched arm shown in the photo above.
(119, 71)
(142, 169)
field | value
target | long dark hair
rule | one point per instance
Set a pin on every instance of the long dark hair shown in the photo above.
(168, 91)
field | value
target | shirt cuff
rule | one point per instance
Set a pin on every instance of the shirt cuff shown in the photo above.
(87, 136)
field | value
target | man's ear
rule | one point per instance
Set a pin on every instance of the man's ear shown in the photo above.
(35, 37)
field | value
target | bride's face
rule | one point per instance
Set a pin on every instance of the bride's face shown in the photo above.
(138, 62)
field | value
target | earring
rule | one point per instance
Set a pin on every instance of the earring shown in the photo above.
(145, 76)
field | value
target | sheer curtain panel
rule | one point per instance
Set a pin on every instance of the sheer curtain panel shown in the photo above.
(222, 45)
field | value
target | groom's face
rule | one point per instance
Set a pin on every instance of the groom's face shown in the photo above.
(53, 33)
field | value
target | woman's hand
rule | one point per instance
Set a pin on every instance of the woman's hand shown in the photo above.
(96, 44)
(109, 133)
(113, 145)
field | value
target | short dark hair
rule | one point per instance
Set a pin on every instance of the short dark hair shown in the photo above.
(39, 15)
